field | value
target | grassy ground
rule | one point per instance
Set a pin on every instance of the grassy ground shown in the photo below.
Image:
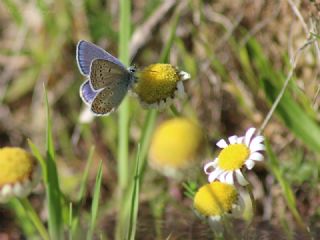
(240, 54)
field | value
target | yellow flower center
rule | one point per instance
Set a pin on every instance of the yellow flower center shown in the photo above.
(215, 199)
(156, 82)
(233, 156)
(176, 143)
(15, 165)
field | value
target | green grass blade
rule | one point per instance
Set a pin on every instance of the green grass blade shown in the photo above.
(123, 122)
(22, 218)
(35, 151)
(85, 175)
(70, 222)
(14, 11)
(147, 134)
(292, 114)
(125, 30)
(274, 167)
(124, 38)
(190, 189)
(52, 185)
(75, 220)
(95, 202)
(135, 198)
(33, 216)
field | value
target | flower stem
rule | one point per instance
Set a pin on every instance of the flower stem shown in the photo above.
(175, 111)
(253, 202)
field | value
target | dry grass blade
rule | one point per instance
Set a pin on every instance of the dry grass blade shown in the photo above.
(285, 85)
(144, 32)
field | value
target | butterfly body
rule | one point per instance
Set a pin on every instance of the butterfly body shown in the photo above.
(108, 79)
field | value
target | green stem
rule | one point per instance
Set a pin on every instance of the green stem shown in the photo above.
(175, 111)
(124, 38)
(134, 199)
(253, 202)
(123, 123)
(70, 222)
(34, 218)
(123, 148)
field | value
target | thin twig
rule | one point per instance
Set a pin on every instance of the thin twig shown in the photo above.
(144, 32)
(294, 61)
(229, 26)
(262, 24)
(314, 100)
(299, 16)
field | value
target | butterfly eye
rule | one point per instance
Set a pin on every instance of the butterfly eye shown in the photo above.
(132, 69)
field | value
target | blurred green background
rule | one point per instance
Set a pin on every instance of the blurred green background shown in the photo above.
(239, 55)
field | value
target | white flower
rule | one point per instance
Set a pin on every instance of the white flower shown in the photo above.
(241, 151)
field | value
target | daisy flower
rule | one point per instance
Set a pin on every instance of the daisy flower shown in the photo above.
(19, 173)
(216, 200)
(158, 84)
(240, 152)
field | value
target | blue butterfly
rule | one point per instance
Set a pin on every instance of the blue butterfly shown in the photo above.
(108, 79)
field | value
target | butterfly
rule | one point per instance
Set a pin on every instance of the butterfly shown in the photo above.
(108, 80)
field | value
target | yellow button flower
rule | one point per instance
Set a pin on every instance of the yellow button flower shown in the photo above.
(158, 84)
(175, 144)
(19, 172)
(215, 199)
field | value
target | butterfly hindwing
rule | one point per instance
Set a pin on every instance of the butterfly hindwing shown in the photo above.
(104, 72)
(108, 99)
(87, 52)
(87, 94)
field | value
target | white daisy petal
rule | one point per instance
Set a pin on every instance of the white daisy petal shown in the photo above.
(257, 140)
(233, 139)
(249, 135)
(229, 178)
(215, 163)
(222, 177)
(180, 92)
(184, 75)
(240, 140)
(214, 175)
(256, 156)
(222, 143)
(18, 189)
(256, 147)
(7, 190)
(240, 178)
(249, 164)
(210, 165)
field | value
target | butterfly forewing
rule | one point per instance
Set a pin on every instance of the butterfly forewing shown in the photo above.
(110, 98)
(87, 52)
(104, 72)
